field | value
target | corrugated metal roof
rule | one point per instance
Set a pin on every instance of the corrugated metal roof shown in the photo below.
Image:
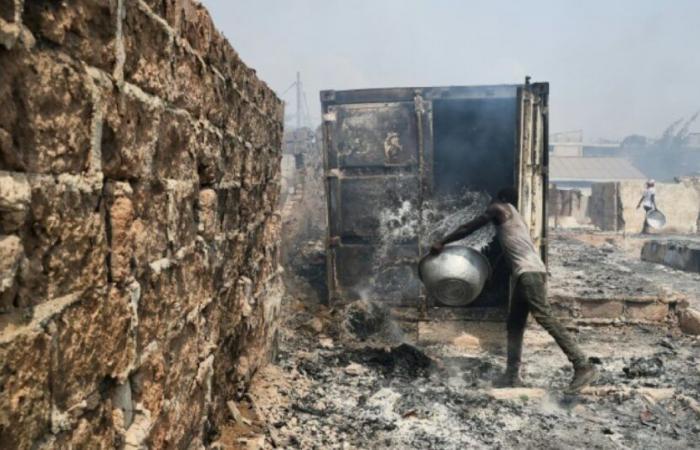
(576, 168)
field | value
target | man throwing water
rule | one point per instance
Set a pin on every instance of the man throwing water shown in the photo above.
(529, 295)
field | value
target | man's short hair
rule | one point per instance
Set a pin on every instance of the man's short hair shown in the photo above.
(508, 195)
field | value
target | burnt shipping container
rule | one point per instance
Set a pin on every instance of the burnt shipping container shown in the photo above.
(391, 152)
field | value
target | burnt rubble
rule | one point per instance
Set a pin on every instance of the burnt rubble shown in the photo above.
(353, 384)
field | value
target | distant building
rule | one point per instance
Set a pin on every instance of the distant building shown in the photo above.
(577, 172)
(571, 143)
(567, 143)
(675, 154)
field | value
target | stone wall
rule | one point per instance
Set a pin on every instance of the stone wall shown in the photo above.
(613, 206)
(139, 174)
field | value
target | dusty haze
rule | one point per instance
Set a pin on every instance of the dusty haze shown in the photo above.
(616, 68)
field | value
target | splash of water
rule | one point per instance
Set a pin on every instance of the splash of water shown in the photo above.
(433, 221)
(446, 215)
(407, 224)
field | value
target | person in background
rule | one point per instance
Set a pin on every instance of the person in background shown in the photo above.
(529, 295)
(648, 201)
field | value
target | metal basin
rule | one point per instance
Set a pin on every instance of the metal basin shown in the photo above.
(456, 276)
(656, 219)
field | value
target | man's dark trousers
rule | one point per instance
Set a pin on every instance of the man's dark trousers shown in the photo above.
(530, 296)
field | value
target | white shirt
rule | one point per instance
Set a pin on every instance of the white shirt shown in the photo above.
(647, 197)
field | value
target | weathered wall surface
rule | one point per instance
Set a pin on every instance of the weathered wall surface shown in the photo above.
(603, 206)
(139, 173)
(567, 207)
(680, 203)
(677, 253)
(613, 206)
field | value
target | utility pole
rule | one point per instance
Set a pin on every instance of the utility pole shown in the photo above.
(298, 100)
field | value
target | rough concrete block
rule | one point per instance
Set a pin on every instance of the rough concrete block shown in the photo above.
(48, 109)
(208, 214)
(15, 198)
(150, 226)
(122, 233)
(233, 155)
(689, 321)
(651, 311)
(177, 426)
(223, 57)
(175, 155)
(196, 25)
(147, 382)
(189, 367)
(11, 258)
(99, 431)
(184, 92)
(209, 150)
(215, 108)
(247, 123)
(170, 288)
(679, 254)
(95, 345)
(182, 359)
(8, 10)
(229, 201)
(259, 131)
(85, 29)
(65, 245)
(165, 219)
(605, 309)
(129, 135)
(25, 396)
(238, 106)
(148, 45)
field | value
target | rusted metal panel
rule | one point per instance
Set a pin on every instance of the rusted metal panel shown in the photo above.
(372, 168)
(375, 134)
(532, 160)
(393, 281)
(380, 158)
(407, 94)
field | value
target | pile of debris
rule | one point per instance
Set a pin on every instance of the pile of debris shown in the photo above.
(348, 377)
(333, 387)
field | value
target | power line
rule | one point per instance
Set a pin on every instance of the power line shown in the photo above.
(288, 89)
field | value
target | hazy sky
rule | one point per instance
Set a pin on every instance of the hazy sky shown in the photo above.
(615, 67)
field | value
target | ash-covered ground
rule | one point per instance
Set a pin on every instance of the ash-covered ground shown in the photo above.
(601, 264)
(351, 378)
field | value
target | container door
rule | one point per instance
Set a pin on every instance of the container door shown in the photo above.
(532, 160)
(374, 192)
